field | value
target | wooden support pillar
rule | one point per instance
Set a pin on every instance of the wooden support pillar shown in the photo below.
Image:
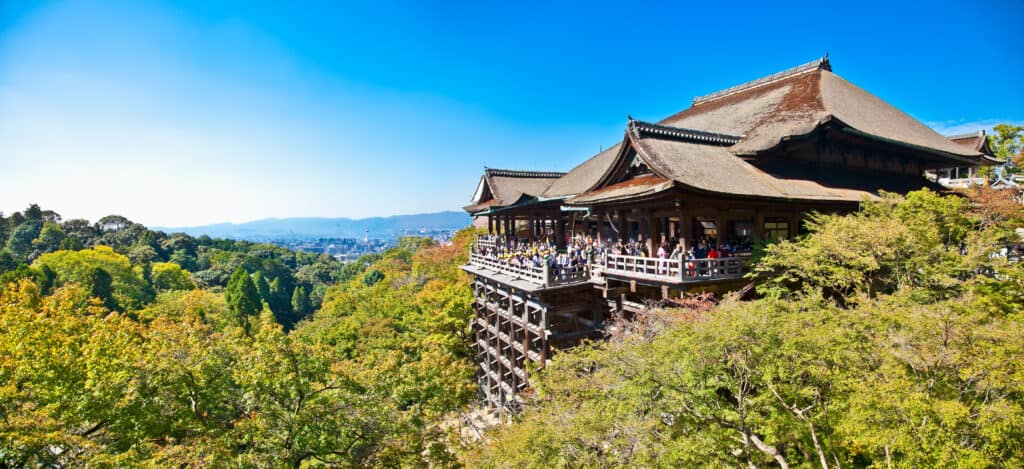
(688, 227)
(560, 231)
(490, 225)
(620, 218)
(794, 225)
(652, 228)
(759, 224)
(720, 227)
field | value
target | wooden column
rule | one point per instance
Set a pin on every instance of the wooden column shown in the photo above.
(560, 231)
(652, 227)
(720, 226)
(759, 224)
(620, 218)
(490, 225)
(685, 230)
(686, 226)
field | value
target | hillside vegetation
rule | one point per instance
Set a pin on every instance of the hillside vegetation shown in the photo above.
(887, 338)
(112, 359)
(891, 337)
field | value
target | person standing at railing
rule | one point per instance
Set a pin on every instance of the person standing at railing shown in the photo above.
(713, 256)
(701, 251)
(662, 258)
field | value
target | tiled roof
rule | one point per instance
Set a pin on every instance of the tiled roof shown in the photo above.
(820, 64)
(515, 173)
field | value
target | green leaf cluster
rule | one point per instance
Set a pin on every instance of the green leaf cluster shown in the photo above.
(887, 338)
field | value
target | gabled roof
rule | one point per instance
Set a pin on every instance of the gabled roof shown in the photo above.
(976, 141)
(693, 160)
(583, 177)
(504, 187)
(700, 147)
(795, 102)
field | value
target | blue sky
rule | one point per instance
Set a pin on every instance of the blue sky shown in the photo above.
(184, 113)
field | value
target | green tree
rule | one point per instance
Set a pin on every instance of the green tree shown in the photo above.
(300, 302)
(372, 277)
(79, 228)
(71, 243)
(890, 244)
(262, 287)
(102, 286)
(241, 295)
(130, 289)
(1008, 142)
(142, 254)
(7, 261)
(50, 237)
(20, 241)
(34, 213)
(170, 276)
(278, 295)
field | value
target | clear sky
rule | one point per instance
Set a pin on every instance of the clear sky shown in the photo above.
(183, 113)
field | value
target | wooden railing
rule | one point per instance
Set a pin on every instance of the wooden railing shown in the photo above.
(488, 243)
(651, 268)
(543, 275)
(674, 270)
(564, 275)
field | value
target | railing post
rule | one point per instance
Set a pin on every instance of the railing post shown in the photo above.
(547, 274)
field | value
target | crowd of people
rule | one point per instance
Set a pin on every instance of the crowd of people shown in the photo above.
(534, 253)
(582, 250)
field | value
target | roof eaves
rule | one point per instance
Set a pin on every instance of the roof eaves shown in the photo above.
(978, 134)
(639, 129)
(962, 159)
(522, 174)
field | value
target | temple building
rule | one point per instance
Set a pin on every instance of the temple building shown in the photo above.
(739, 166)
(965, 177)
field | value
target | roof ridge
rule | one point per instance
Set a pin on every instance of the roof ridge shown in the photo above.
(522, 173)
(819, 64)
(979, 133)
(690, 135)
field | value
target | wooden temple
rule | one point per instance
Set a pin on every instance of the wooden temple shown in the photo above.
(743, 164)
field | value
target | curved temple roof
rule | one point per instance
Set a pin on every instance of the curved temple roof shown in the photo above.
(700, 146)
(503, 187)
(799, 100)
(708, 168)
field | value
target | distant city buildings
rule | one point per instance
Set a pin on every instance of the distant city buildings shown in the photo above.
(348, 249)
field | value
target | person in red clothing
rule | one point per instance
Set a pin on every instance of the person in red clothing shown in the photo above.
(713, 254)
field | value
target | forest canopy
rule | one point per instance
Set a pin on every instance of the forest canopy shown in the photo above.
(889, 337)
(115, 354)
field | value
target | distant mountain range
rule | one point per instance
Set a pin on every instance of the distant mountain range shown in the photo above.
(300, 228)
